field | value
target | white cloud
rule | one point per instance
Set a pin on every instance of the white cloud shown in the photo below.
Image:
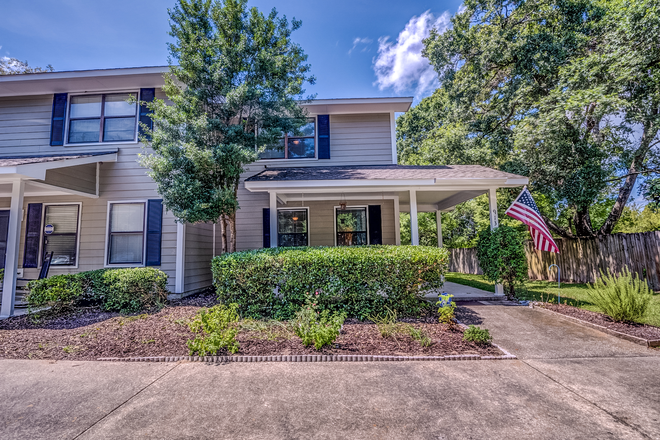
(358, 41)
(399, 64)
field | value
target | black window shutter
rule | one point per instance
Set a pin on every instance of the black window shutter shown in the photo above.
(146, 95)
(375, 227)
(57, 120)
(4, 235)
(32, 235)
(266, 227)
(154, 231)
(324, 136)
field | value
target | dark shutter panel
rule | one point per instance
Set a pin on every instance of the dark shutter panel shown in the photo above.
(375, 228)
(58, 119)
(324, 136)
(154, 231)
(266, 227)
(146, 95)
(4, 234)
(32, 235)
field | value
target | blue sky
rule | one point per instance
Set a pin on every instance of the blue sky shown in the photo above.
(341, 37)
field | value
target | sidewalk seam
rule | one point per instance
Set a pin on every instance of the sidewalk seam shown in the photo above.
(616, 418)
(125, 401)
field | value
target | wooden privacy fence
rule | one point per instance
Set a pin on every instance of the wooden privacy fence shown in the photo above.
(582, 259)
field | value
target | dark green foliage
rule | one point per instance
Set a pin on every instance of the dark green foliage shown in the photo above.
(235, 75)
(215, 329)
(501, 255)
(622, 297)
(125, 290)
(317, 327)
(479, 335)
(360, 281)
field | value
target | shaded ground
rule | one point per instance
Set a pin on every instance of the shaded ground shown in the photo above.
(92, 334)
(546, 291)
(570, 382)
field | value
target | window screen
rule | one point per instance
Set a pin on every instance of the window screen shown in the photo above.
(61, 233)
(126, 241)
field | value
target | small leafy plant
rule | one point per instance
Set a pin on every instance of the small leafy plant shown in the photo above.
(419, 335)
(318, 328)
(623, 297)
(386, 323)
(447, 309)
(216, 329)
(477, 335)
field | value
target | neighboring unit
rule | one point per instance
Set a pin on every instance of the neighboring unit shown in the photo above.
(71, 185)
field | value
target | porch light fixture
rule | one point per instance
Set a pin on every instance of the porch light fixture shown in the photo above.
(342, 203)
(295, 219)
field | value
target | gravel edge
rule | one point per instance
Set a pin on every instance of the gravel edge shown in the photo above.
(636, 339)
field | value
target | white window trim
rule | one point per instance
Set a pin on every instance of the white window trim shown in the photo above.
(297, 208)
(88, 144)
(106, 256)
(41, 236)
(334, 220)
(302, 159)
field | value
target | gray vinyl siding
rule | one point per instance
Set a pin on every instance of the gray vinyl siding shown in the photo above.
(199, 252)
(249, 217)
(25, 130)
(364, 139)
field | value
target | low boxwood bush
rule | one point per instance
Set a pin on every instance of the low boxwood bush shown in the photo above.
(623, 297)
(125, 290)
(215, 328)
(358, 281)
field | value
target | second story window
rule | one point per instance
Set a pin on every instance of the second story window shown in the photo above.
(102, 118)
(301, 145)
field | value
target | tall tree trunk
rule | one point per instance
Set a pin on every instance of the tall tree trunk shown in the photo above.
(223, 223)
(232, 221)
(650, 132)
(582, 221)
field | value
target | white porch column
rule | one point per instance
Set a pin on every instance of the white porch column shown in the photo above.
(438, 221)
(414, 226)
(494, 223)
(273, 219)
(180, 263)
(13, 242)
(397, 222)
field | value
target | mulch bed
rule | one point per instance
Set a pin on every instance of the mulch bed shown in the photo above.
(639, 330)
(91, 334)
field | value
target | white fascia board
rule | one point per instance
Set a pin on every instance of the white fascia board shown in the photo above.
(38, 170)
(357, 105)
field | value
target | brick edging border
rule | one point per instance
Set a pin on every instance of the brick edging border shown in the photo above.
(636, 339)
(311, 358)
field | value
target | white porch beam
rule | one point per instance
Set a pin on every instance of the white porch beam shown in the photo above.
(494, 223)
(273, 219)
(13, 241)
(438, 221)
(180, 264)
(414, 226)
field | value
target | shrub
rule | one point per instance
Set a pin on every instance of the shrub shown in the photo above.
(478, 335)
(501, 254)
(360, 281)
(2, 275)
(216, 328)
(447, 309)
(623, 297)
(318, 328)
(124, 290)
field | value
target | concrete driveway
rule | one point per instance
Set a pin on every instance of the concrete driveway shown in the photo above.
(570, 382)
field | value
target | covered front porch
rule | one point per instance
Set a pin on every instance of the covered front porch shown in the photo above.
(42, 177)
(359, 205)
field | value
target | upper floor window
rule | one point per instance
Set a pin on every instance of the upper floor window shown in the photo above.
(301, 145)
(102, 118)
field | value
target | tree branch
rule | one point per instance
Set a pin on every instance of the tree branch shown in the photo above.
(653, 170)
(557, 229)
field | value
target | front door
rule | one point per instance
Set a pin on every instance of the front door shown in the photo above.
(4, 232)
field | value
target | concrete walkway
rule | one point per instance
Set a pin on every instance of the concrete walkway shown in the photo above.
(570, 382)
(464, 293)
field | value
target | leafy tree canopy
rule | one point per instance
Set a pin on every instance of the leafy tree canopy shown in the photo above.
(235, 75)
(13, 66)
(566, 92)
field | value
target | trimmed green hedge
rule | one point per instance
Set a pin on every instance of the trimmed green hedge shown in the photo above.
(360, 281)
(126, 290)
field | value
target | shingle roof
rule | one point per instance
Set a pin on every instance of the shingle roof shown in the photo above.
(381, 172)
(13, 161)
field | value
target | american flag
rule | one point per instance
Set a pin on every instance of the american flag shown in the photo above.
(524, 209)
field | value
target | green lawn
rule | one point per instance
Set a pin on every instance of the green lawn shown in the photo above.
(572, 294)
